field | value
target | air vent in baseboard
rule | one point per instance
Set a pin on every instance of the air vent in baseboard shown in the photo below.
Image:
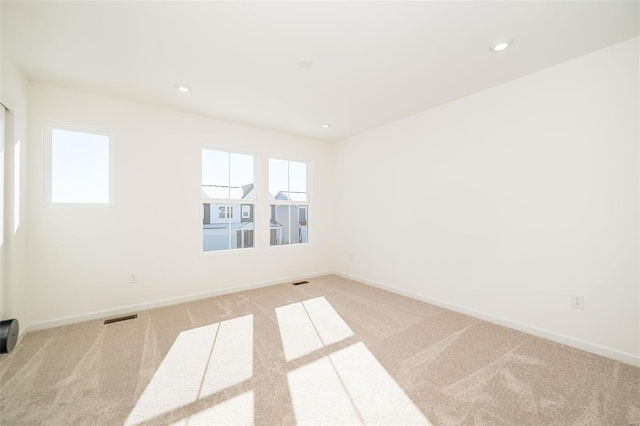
(125, 318)
(301, 282)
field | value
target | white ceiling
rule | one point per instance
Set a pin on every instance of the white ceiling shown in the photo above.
(373, 62)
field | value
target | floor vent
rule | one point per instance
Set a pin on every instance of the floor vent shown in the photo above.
(301, 282)
(125, 318)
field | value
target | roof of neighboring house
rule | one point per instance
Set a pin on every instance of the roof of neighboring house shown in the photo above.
(246, 190)
(282, 196)
(225, 192)
(289, 196)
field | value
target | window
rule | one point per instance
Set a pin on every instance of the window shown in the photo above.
(246, 211)
(227, 189)
(289, 202)
(225, 212)
(78, 165)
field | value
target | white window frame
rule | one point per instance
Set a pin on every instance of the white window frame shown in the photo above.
(229, 201)
(306, 203)
(49, 126)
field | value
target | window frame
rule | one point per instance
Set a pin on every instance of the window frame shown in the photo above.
(228, 202)
(306, 203)
(49, 126)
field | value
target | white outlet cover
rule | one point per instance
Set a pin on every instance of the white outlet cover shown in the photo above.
(577, 301)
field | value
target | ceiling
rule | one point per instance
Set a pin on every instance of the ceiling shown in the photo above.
(373, 62)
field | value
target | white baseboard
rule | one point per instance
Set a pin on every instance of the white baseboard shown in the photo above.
(625, 357)
(545, 334)
(160, 303)
(22, 332)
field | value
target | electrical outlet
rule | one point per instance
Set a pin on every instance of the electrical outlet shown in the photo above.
(577, 301)
(133, 278)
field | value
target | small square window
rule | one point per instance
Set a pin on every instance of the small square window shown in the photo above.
(79, 165)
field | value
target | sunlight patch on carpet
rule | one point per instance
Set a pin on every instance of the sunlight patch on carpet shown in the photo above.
(234, 411)
(347, 386)
(308, 326)
(357, 388)
(201, 362)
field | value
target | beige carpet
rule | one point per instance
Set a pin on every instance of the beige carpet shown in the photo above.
(330, 352)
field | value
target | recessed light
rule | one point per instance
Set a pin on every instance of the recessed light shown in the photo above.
(305, 63)
(326, 126)
(183, 88)
(500, 45)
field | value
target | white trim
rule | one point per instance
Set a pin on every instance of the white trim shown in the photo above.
(227, 201)
(165, 302)
(289, 203)
(23, 332)
(227, 251)
(545, 334)
(18, 188)
(3, 126)
(594, 348)
(6, 104)
(282, 247)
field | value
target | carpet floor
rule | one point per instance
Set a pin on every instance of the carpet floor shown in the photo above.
(330, 352)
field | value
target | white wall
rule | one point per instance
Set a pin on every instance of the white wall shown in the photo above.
(80, 258)
(506, 202)
(501, 204)
(14, 91)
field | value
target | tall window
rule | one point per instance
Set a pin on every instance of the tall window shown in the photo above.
(228, 201)
(289, 202)
(78, 165)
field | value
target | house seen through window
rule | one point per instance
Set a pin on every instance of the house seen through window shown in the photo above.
(228, 201)
(289, 202)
